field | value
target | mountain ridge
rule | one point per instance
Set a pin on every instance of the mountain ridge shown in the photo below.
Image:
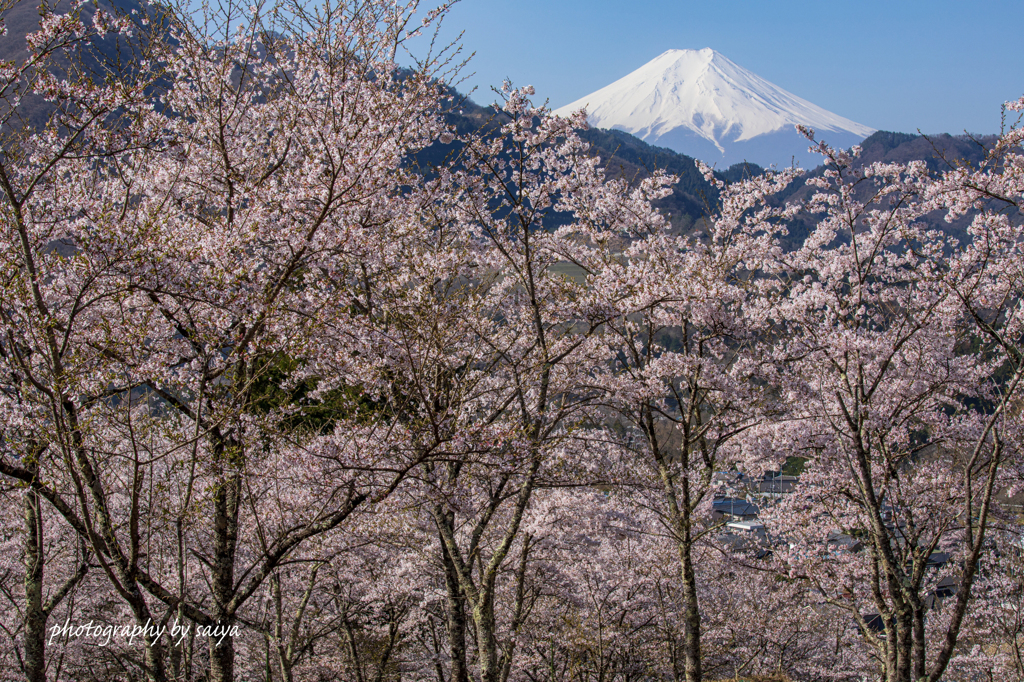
(694, 198)
(700, 103)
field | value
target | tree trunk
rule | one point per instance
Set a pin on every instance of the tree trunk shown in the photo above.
(35, 615)
(691, 604)
(456, 620)
(680, 509)
(919, 643)
(904, 644)
(487, 642)
(222, 647)
(37, 611)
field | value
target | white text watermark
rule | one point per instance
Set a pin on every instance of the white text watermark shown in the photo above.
(104, 633)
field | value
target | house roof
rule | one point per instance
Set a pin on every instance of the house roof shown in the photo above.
(734, 506)
(747, 526)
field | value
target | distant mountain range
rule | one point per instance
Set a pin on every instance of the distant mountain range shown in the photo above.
(627, 155)
(699, 103)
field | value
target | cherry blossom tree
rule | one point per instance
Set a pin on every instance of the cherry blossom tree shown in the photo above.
(518, 346)
(687, 378)
(604, 594)
(903, 419)
(210, 240)
(42, 296)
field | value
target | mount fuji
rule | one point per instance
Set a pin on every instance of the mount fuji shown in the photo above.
(698, 102)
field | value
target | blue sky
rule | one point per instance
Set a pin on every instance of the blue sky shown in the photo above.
(903, 65)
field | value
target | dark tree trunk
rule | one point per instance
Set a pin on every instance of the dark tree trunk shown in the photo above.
(919, 643)
(691, 604)
(222, 648)
(456, 620)
(904, 643)
(35, 615)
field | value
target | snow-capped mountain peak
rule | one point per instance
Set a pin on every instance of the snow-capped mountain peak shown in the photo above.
(699, 102)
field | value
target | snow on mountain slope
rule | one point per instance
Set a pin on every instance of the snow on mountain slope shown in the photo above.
(700, 103)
